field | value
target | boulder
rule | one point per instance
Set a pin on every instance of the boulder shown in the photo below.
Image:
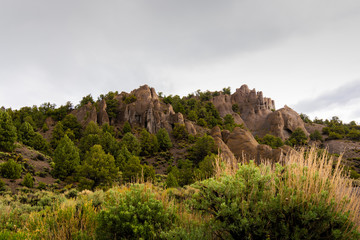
(221, 146)
(190, 127)
(242, 143)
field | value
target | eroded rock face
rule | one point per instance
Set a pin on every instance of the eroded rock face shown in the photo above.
(221, 146)
(284, 121)
(147, 111)
(242, 143)
(85, 114)
(102, 114)
(224, 104)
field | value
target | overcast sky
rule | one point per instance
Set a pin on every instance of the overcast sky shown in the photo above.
(305, 54)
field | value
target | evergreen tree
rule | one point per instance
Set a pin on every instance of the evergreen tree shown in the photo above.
(109, 143)
(203, 146)
(7, 132)
(148, 142)
(126, 128)
(66, 158)
(57, 134)
(171, 181)
(71, 122)
(163, 139)
(131, 143)
(99, 167)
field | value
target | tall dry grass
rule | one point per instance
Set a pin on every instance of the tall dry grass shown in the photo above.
(307, 173)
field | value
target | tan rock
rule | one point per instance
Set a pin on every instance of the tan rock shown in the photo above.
(102, 114)
(190, 127)
(85, 114)
(242, 143)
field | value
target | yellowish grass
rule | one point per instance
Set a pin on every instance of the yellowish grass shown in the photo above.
(309, 174)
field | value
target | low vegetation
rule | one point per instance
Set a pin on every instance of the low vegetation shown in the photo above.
(240, 201)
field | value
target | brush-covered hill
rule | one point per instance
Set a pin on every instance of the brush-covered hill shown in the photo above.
(123, 136)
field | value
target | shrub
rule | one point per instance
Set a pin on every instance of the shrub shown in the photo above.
(334, 135)
(129, 99)
(179, 131)
(134, 214)
(28, 181)
(171, 181)
(316, 136)
(11, 169)
(306, 199)
(272, 141)
(41, 186)
(298, 137)
(354, 134)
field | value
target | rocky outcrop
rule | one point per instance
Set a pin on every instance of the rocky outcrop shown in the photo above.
(221, 146)
(146, 110)
(85, 114)
(102, 114)
(190, 127)
(258, 114)
(242, 143)
(224, 104)
(283, 122)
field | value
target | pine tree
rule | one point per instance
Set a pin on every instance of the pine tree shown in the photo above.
(66, 158)
(7, 132)
(131, 143)
(99, 167)
(163, 139)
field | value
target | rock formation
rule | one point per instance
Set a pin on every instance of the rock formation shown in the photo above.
(102, 114)
(85, 114)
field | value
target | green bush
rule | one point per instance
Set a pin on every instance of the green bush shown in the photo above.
(272, 141)
(134, 214)
(28, 181)
(316, 136)
(255, 204)
(298, 137)
(179, 131)
(334, 135)
(129, 99)
(11, 169)
(131, 143)
(203, 146)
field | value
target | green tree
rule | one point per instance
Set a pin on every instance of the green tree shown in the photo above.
(109, 144)
(98, 167)
(179, 131)
(149, 143)
(131, 143)
(66, 158)
(203, 146)
(354, 134)
(57, 134)
(71, 122)
(28, 181)
(316, 136)
(271, 140)
(171, 181)
(126, 128)
(298, 137)
(85, 100)
(7, 132)
(163, 139)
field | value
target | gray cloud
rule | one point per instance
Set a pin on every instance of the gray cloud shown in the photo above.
(60, 50)
(344, 95)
